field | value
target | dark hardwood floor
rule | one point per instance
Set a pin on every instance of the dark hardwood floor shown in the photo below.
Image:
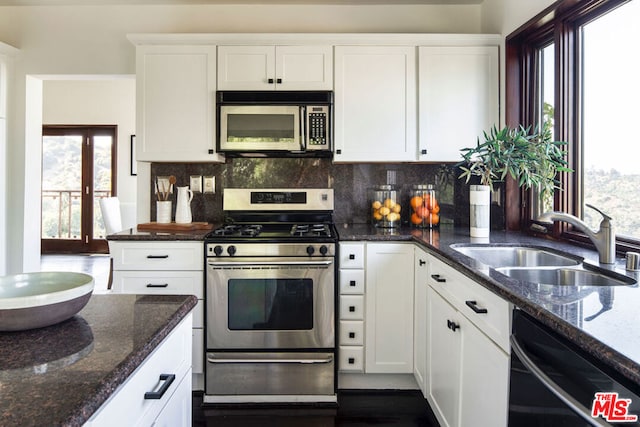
(355, 409)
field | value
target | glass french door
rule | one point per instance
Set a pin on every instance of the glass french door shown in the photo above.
(78, 169)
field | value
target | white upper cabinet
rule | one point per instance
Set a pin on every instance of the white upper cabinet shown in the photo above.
(458, 99)
(275, 68)
(175, 95)
(375, 104)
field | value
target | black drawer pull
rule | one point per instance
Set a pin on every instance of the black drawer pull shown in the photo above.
(157, 285)
(352, 256)
(352, 308)
(352, 335)
(422, 262)
(352, 360)
(279, 81)
(168, 379)
(157, 256)
(452, 325)
(352, 283)
(270, 81)
(473, 305)
(438, 279)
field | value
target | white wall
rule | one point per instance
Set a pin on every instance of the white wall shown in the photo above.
(99, 102)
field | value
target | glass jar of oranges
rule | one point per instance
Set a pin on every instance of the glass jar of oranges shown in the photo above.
(385, 206)
(425, 211)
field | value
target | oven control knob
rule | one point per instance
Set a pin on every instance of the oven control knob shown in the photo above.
(231, 250)
(324, 249)
(310, 250)
(217, 250)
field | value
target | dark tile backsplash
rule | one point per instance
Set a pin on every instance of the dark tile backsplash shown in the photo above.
(351, 183)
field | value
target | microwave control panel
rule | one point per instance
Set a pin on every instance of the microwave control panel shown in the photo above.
(318, 128)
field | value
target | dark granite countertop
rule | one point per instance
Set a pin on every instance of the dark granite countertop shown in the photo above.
(603, 321)
(62, 374)
(134, 234)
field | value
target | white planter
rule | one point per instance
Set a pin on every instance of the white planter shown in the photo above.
(479, 210)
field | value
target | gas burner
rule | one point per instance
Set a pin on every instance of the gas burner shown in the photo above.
(251, 230)
(310, 230)
(226, 230)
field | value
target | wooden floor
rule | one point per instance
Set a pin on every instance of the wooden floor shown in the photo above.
(355, 409)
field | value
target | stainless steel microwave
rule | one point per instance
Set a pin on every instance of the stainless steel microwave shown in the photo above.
(274, 123)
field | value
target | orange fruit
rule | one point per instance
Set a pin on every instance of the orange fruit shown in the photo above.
(376, 204)
(397, 208)
(422, 212)
(384, 211)
(434, 219)
(416, 201)
(435, 209)
(416, 219)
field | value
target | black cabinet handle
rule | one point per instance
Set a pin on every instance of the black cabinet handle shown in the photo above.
(422, 262)
(352, 334)
(473, 305)
(157, 256)
(278, 81)
(352, 283)
(452, 325)
(168, 379)
(423, 151)
(352, 309)
(210, 151)
(157, 285)
(352, 361)
(338, 151)
(270, 81)
(352, 256)
(438, 279)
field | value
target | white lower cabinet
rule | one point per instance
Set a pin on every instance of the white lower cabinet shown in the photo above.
(166, 372)
(164, 268)
(420, 321)
(467, 362)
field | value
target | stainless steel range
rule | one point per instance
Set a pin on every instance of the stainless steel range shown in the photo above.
(270, 298)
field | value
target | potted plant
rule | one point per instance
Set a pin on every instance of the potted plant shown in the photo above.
(530, 156)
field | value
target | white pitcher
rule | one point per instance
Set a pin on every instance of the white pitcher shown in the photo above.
(183, 205)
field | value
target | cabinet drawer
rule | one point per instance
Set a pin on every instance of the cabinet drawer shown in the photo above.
(351, 359)
(128, 405)
(351, 255)
(159, 282)
(352, 307)
(352, 282)
(157, 255)
(351, 332)
(472, 300)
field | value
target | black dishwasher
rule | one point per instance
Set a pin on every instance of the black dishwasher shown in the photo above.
(553, 383)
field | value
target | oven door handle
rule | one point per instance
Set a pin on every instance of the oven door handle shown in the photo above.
(272, 360)
(272, 263)
(553, 387)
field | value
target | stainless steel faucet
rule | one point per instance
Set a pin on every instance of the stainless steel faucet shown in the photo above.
(604, 239)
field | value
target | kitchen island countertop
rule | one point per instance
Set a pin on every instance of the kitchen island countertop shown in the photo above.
(604, 321)
(62, 374)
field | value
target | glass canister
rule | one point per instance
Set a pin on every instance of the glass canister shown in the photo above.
(424, 207)
(385, 206)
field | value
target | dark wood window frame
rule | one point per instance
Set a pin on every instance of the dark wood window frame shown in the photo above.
(558, 24)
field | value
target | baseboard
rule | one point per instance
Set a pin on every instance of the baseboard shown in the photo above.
(377, 381)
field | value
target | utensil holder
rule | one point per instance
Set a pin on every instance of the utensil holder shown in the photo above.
(163, 212)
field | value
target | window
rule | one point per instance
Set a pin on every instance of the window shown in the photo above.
(574, 65)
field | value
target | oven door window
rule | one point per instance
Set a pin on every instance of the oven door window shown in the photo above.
(270, 304)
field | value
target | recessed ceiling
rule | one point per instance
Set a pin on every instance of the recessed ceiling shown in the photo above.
(187, 2)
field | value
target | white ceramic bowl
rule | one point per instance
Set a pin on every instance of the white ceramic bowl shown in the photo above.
(36, 300)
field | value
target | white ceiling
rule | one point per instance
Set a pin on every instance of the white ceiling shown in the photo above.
(186, 2)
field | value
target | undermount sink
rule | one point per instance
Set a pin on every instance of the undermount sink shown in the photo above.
(567, 276)
(517, 256)
(36, 300)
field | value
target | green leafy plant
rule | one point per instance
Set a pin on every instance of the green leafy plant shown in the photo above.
(532, 158)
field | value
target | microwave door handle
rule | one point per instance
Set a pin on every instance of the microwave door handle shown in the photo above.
(303, 128)
(552, 386)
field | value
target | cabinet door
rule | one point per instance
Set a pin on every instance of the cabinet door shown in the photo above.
(175, 98)
(246, 67)
(420, 319)
(389, 308)
(458, 99)
(304, 68)
(485, 380)
(444, 346)
(375, 104)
